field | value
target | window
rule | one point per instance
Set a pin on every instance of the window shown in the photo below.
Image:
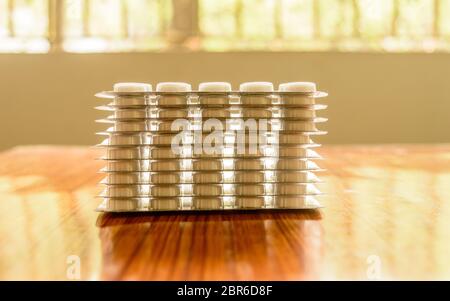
(24, 26)
(211, 25)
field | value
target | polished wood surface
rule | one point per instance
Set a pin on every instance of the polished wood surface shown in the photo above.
(386, 216)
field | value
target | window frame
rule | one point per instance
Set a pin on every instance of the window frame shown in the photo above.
(184, 25)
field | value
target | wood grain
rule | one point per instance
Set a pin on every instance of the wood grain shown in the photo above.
(386, 216)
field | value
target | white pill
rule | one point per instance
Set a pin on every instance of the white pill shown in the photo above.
(132, 87)
(256, 87)
(173, 87)
(304, 87)
(214, 87)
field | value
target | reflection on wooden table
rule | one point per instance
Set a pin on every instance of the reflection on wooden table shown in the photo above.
(387, 216)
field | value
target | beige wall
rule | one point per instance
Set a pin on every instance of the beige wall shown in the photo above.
(374, 98)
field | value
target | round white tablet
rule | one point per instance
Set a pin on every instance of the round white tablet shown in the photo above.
(215, 87)
(173, 87)
(132, 87)
(256, 87)
(305, 87)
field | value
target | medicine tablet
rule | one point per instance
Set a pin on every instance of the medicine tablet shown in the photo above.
(256, 87)
(173, 87)
(214, 87)
(132, 87)
(302, 87)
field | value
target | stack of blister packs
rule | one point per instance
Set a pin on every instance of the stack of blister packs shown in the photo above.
(211, 149)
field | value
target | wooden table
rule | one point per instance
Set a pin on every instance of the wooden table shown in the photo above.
(386, 216)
